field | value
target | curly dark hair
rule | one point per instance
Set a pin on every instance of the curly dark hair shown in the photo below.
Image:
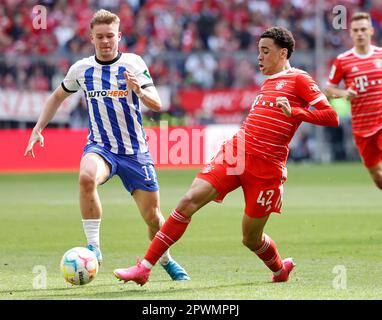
(282, 37)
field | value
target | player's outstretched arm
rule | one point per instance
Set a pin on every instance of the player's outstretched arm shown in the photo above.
(323, 115)
(335, 92)
(48, 112)
(149, 96)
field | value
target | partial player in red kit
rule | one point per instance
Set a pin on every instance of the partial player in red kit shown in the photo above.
(254, 159)
(361, 70)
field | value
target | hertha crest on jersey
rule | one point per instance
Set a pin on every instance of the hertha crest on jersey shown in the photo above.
(121, 81)
(280, 85)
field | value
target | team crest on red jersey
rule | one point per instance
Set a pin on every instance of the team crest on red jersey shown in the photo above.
(280, 84)
(378, 63)
(314, 88)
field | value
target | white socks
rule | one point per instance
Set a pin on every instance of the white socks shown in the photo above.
(147, 264)
(164, 259)
(91, 229)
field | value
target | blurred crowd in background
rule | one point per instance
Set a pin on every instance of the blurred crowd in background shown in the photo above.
(161, 29)
(199, 44)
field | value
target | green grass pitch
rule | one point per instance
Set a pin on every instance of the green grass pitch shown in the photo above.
(331, 225)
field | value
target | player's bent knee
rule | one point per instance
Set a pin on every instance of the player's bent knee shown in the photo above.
(251, 244)
(87, 182)
(152, 216)
(188, 204)
(246, 243)
(153, 220)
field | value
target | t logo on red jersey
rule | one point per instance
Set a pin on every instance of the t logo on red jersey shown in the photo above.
(361, 83)
(256, 101)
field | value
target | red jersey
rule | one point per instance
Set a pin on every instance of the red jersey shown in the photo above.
(364, 74)
(267, 131)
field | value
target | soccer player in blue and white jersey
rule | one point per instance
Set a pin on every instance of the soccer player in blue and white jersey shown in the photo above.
(115, 86)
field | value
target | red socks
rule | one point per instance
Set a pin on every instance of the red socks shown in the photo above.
(177, 223)
(268, 253)
(171, 231)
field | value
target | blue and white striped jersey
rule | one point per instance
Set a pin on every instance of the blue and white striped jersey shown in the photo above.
(115, 121)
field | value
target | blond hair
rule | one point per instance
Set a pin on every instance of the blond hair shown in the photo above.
(360, 16)
(103, 17)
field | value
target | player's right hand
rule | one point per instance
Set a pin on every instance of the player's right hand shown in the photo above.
(35, 137)
(283, 104)
(350, 93)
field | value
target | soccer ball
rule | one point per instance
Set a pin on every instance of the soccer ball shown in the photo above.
(79, 266)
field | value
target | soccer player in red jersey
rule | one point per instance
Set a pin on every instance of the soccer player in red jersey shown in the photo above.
(254, 159)
(361, 70)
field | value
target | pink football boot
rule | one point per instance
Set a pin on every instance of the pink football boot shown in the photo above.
(139, 273)
(288, 266)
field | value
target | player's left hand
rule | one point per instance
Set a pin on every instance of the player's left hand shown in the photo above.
(283, 103)
(132, 81)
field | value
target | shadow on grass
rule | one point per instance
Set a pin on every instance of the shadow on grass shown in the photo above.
(64, 287)
(123, 291)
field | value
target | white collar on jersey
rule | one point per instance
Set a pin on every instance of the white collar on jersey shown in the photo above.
(363, 56)
(278, 74)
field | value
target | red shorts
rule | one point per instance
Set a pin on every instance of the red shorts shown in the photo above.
(261, 181)
(370, 148)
